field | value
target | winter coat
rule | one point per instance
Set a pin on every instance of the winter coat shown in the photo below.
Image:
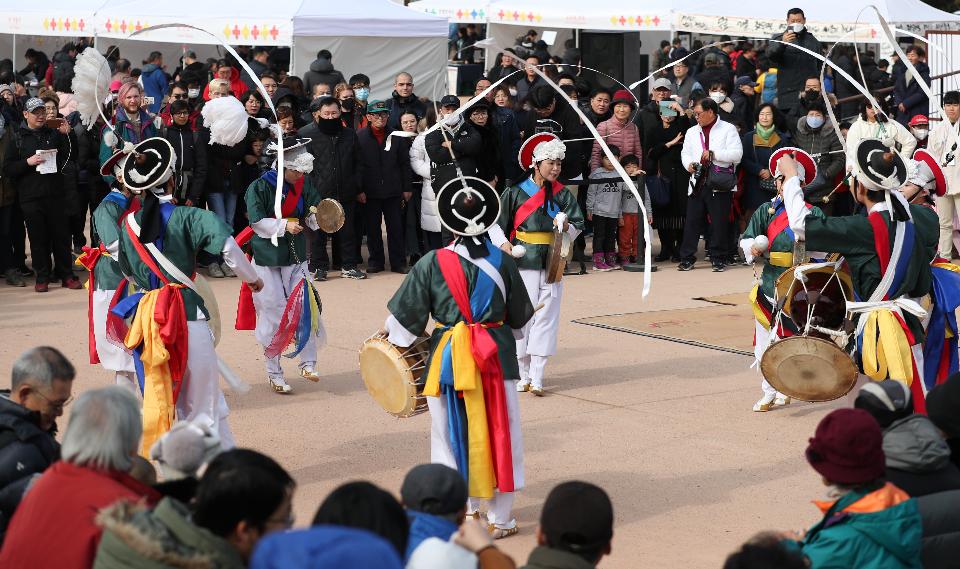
(712, 75)
(191, 157)
(223, 162)
(869, 528)
(30, 184)
(489, 160)
(325, 547)
(8, 190)
(26, 450)
(466, 143)
(399, 105)
(918, 459)
(668, 163)
(892, 133)
(907, 92)
(321, 71)
(125, 131)
(577, 157)
(424, 526)
(420, 164)
(941, 529)
(756, 157)
(816, 141)
(743, 109)
(940, 143)
(746, 67)
(684, 88)
(624, 135)
(793, 67)
(55, 524)
(505, 121)
(237, 86)
(543, 557)
(336, 162)
(162, 538)
(383, 174)
(498, 72)
(155, 83)
(524, 86)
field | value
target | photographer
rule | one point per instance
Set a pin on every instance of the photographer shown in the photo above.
(711, 152)
(793, 66)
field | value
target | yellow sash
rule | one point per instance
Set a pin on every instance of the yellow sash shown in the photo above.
(886, 351)
(535, 237)
(781, 259)
(755, 304)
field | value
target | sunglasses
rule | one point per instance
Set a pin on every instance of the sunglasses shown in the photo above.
(178, 97)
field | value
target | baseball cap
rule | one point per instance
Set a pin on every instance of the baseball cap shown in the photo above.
(577, 517)
(662, 83)
(376, 107)
(434, 489)
(916, 120)
(887, 401)
(744, 80)
(33, 103)
(450, 101)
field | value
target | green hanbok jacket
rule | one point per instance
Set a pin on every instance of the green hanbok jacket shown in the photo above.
(536, 255)
(260, 199)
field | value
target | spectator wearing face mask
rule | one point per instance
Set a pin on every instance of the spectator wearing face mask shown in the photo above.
(920, 129)
(811, 95)
(714, 72)
(351, 114)
(718, 92)
(818, 138)
(361, 90)
(179, 91)
(874, 124)
(793, 66)
(190, 172)
(455, 144)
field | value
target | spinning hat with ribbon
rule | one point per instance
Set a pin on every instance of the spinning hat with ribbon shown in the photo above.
(806, 166)
(539, 147)
(150, 165)
(927, 172)
(468, 206)
(114, 165)
(295, 154)
(880, 167)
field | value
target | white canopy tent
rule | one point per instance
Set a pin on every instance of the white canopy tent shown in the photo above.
(455, 11)
(374, 37)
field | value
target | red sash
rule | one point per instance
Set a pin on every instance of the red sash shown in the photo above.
(485, 355)
(881, 239)
(779, 225)
(246, 311)
(528, 207)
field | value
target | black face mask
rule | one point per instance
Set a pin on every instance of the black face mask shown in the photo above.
(811, 94)
(348, 105)
(329, 126)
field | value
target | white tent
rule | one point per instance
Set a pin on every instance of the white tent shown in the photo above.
(604, 15)
(829, 20)
(374, 37)
(454, 10)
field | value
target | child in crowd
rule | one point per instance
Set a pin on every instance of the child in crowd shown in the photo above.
(629, 236)
(603, 209)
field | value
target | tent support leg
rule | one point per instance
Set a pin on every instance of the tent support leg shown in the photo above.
(293, 51)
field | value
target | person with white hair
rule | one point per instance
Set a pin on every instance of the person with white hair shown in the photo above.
(768, 238)
(55, 525)
(530, 211)
(280, 259)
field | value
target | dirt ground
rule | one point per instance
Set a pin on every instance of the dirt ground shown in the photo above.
(665, 428)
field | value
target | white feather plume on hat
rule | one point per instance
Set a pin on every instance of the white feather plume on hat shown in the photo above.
(227, 120)
(91, 84)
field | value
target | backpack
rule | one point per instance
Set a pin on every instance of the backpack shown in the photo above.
(769, 92)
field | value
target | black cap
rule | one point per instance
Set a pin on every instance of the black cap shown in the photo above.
(434, 489)
(450, 101)
(943, 406)
(577, 517)
(888, 401)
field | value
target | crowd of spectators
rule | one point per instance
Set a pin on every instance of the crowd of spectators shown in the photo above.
(746, 99)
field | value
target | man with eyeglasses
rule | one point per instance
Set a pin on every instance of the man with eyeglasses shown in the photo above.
(404, 100)
(41, 386)
(179, 92)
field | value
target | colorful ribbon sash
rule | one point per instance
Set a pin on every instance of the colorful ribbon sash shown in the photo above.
(466, 371)
(88, 260)
(940, 346)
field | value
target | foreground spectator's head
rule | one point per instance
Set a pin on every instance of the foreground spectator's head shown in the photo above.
(325, 547)
(242, 497)
(435, 489)
(943, 406)
(41, 381)
(706, 111)
(104, 430)
(577, 517)
(887, 401)
(765, 551)
(365, 506)
(847, 449)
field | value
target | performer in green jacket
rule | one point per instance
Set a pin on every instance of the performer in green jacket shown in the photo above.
(768, 237)
(476, 296)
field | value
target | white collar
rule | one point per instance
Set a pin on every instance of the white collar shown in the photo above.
(167, 198)
(878, 207)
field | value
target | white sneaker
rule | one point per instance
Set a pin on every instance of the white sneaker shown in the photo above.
(279, 384)
(765, 403)
(523, 385)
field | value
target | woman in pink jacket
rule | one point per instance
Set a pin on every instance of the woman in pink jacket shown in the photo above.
(619, 130)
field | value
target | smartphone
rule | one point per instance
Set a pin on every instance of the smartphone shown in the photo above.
(148, 101)
(665, 110)
(54, 123)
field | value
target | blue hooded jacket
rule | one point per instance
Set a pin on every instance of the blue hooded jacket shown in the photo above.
(323, 547)
(424, 526)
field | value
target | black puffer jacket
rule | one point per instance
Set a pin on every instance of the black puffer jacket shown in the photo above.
(467, 144)
(918, 459)
(820, 141)
(191, 157)
(223, 162)
(321, 71)
(336, 162)
(25, 450)
(383, 174)
(31, 185)
(399, 105)
(793, 66)
(941, 529)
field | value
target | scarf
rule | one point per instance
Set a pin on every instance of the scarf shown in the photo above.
(765, 133)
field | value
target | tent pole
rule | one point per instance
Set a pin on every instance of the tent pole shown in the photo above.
(293, 50)
(14, 58)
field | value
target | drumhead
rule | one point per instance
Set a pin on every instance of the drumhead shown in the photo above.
(809, 369)
(330, 216)
(388, 377)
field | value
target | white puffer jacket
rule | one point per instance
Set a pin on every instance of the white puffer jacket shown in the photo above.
(420, 162)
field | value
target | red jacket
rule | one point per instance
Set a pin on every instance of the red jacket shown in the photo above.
(236, 85)
(54, 525)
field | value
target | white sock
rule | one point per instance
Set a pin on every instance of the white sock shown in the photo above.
(537, 364)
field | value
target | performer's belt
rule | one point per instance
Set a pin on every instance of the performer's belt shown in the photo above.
(536, 237)
(497, 324)
(781, 259)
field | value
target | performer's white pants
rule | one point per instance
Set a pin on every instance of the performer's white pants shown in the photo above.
(201, 393)
(762, 340)
(947, 206)
(540, 334)
(441, 451)
(278, 283)
(112, 357)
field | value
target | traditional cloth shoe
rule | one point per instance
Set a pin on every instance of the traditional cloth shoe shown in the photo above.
(781, 400)
(537, 390)
(765, 404)
(523, 386)
(279, 384)
(500, 532)
(309, 373)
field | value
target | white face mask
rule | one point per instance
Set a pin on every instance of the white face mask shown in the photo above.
(814, 121)
(718, 96)
(193, 93)
(797, 28)
(920, 133)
